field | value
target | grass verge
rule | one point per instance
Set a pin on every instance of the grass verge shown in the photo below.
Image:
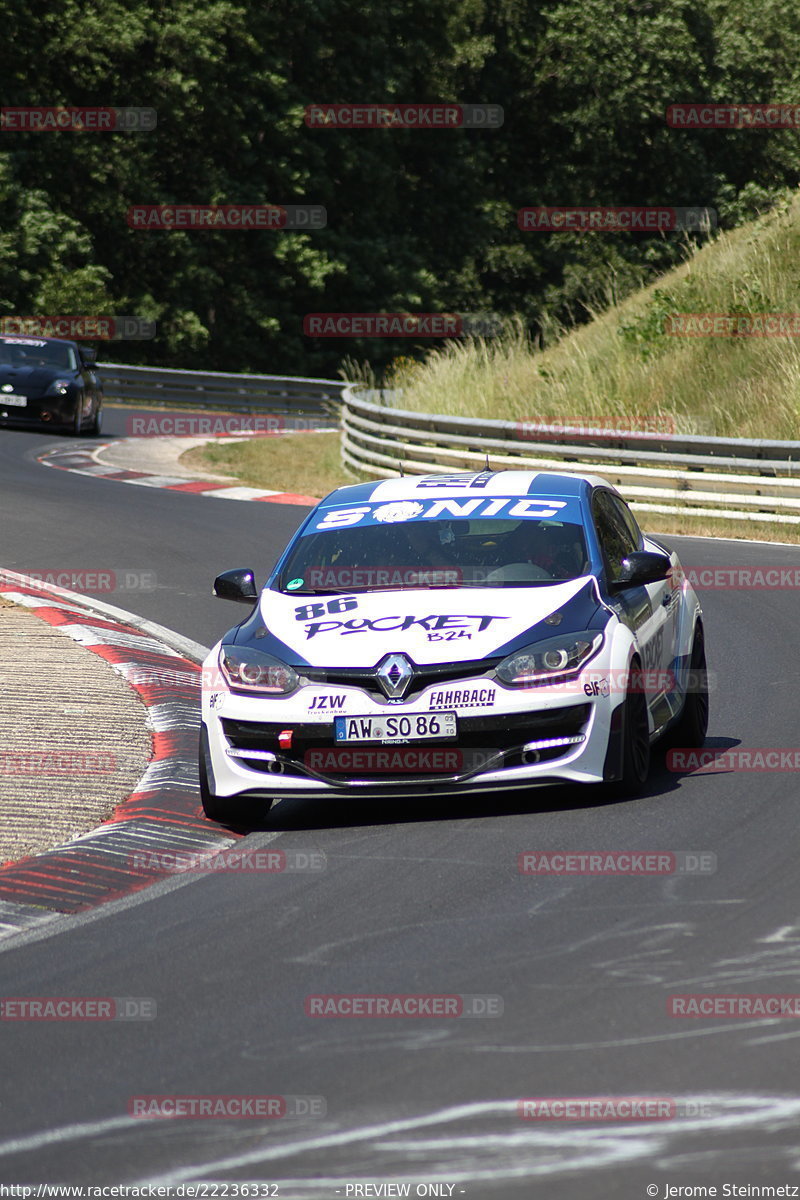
(306, 463)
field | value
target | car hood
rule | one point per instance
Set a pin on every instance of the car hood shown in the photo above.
(24, 378)
(428, 625)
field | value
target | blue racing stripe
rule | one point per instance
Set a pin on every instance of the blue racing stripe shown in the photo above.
(566, 486)
(581, 612)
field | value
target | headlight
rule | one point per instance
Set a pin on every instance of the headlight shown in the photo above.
(59, 387)
(555, 656)
(247, 670)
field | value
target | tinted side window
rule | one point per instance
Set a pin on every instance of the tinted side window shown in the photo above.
(628, 518)
(616, 539)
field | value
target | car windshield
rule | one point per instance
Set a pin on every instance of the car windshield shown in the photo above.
(33, 353)
(436, 553)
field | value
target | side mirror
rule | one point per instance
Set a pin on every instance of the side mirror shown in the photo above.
(238, 584)
(643, 566)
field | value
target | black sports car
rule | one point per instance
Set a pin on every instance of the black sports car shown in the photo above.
(47, 381)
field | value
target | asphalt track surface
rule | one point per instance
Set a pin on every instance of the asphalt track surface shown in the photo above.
(422, 898)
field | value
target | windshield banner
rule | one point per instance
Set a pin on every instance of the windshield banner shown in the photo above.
(512, 508)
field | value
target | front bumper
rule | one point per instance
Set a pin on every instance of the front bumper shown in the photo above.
(57, 411)
(534, 737)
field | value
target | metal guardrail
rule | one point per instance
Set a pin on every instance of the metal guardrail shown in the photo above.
(731, 478)
(222, 390)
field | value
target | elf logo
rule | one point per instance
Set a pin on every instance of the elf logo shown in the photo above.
(597, 687)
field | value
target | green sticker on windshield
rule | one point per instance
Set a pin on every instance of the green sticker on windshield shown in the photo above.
(293, 584)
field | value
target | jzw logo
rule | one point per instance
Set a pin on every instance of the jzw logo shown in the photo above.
(326, 702)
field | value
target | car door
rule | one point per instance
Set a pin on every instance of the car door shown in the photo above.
(663, 596)
(643, 609)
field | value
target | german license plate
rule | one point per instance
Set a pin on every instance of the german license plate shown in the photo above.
(405, 727)
(12, 400)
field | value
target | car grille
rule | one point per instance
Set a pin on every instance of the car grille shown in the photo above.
(423, 677)
(475, 734)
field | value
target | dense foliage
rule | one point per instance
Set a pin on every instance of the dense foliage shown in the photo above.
(417, 220)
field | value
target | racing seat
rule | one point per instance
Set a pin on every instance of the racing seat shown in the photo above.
(555, 551)
(564, 552)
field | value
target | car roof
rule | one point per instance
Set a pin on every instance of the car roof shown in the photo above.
(468, 483)
(22, 339)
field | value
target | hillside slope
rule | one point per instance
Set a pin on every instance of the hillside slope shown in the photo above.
(626, 368)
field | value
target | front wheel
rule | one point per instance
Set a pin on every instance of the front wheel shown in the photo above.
(689, 731)
(635, 738)
(96, 427)
(77, 420)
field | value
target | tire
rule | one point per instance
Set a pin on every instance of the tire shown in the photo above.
(689, 731)
(635, 738)
(96, 427)
(77, 423)
(227, 810)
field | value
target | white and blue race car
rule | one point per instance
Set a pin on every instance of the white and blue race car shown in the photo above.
(467, 633)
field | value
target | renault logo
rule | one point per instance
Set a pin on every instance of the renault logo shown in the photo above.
(394, 675)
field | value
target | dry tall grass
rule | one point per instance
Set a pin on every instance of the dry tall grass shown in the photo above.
(623, 366)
